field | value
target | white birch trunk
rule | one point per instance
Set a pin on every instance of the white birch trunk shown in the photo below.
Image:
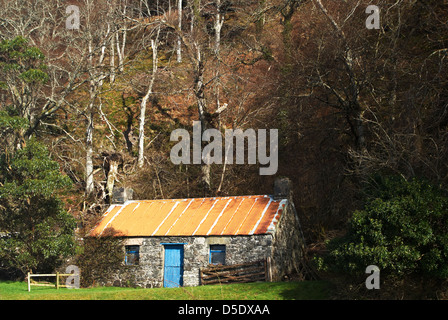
(89, 130)
(179, 42)
(89, 154)
(219, 21)
(141, 135)
(112, 60)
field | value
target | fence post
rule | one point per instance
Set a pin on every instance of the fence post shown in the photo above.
(269, 269)
(29, 284)
(57, 280)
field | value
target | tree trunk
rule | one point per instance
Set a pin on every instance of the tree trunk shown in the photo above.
(112, 60)
(89, 153)
(179, 42)
(121, 50)
(141, 135)
(202, 110)
(200, 87)
(90, 127)
(219, 21)
(121, 46)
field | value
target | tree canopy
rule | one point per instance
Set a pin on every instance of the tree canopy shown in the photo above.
(37, 232)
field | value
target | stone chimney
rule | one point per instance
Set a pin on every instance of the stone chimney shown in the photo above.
(121, 195)
(282, 188)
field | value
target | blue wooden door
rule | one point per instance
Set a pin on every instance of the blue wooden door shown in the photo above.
(174, 266)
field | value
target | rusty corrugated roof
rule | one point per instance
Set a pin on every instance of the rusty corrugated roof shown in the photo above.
(242, 215)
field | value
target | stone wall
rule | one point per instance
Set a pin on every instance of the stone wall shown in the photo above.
(149, 272)
(288, 244)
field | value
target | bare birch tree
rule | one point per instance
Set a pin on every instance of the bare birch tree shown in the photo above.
(149, 92)
(87, 47)
(179, 25)
(219, 22)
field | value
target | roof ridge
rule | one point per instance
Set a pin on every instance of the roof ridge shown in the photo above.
(192, 198)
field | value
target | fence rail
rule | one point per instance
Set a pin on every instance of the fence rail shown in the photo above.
(245, 272)
(47, 284)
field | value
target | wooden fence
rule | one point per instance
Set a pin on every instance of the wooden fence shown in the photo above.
(245, 272)
(47, 284)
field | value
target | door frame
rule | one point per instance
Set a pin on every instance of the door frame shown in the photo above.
(165, 245)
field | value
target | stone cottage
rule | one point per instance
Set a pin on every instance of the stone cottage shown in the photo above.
(168, 241)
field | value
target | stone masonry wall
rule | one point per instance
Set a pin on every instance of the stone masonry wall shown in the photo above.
(287, 249)
(149, 272)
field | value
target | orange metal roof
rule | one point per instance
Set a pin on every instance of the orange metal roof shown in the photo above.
(242, 215)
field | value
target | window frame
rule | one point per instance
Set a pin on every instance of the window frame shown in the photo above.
(129, 251)
(213, 250)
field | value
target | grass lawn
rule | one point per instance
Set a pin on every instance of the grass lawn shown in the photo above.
(306, 290)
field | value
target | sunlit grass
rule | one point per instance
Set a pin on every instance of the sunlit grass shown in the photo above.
(308, 290)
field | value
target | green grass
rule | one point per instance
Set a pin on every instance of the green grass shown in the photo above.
(306, 290)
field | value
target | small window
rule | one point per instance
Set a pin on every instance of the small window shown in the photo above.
(217, 254)
(132, 255)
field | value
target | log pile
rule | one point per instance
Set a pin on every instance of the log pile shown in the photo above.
(245, 272)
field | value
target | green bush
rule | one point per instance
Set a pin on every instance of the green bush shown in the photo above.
(403, 229)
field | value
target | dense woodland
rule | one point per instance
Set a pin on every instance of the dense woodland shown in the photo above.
(350, 103)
